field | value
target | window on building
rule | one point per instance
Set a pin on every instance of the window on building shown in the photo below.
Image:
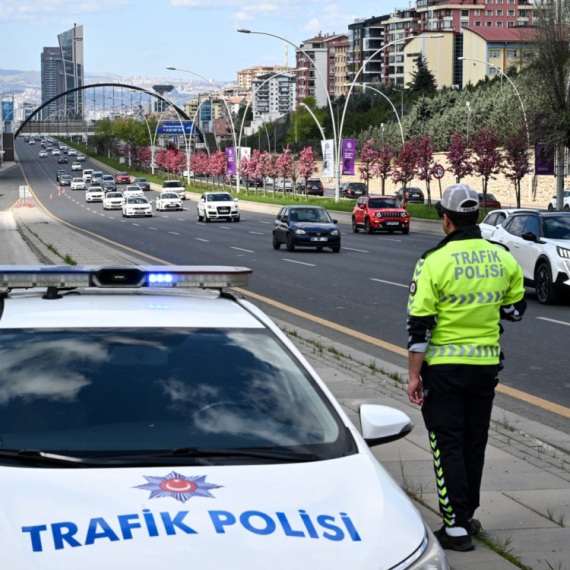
(510, 24)
(499, 12)
(523, 13)
(488, 24)
(510, 1)
(510, 12)
(493, 71)
(527, 53)
(477, 24)
(499, 2)
(488, 1)
(494, 53)
(488, 12)
(464, 24)
(476, 12)
(400, 26)
(465, 13)
(499, 24)
(447, 24)
(512, 53)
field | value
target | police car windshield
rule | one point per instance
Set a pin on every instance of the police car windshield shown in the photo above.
(556, 227)
(219, 198)
(99, 393)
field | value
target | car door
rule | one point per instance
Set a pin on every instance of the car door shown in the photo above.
(511, 237)
(530, 251)
(487, 226)
(202, 206)
(360, 208)
(283, 225)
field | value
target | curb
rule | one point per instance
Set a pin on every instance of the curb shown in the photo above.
(43, 253)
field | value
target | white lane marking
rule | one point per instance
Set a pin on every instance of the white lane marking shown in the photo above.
(300, 262)
(123, 221)
(136, 225)
(264, 222)
(353, 249)
(163, 216)
(151, 228)
(180, 219)
(111, 217)
(553, 321)
(241, 249)
(389, 239)
(102, 215)
(225, 228)
(257, 233)
(174, 233)
(200, 239)
(83, 205)
(388, 282)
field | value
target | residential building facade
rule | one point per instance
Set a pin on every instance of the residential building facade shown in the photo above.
(52, 81)
(246, 76)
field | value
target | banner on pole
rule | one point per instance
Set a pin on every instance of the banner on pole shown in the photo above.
(175, 128)
(328, 158)
(544, 158)
(245, 152)
(230, 160)
(348, 156)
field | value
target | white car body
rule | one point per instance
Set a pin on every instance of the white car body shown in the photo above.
(283, 184)
(544, 254)
(113, 201)
(76, 166)
(554, 201)
(77, 184)
(133, 192)
(43, 154)
(87, 174)
(81, 158)
(32, 141)
(343, 512)
(94, 194)
(180, 190)
(72, 152)
(217, 205)
(136, 206)
(495, 219)
(168, 201)
(56, 152)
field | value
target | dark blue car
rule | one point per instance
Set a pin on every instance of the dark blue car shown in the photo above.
(305, 226)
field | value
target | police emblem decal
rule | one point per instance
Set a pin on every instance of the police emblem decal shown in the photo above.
(413, 288)
(178, 487)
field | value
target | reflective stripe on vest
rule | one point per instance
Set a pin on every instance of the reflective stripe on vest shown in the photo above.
(473, 298)
(468, 350)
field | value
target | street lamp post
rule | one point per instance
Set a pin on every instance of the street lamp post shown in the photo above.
(503, 74)
(314, 118)
(468, 105)
(401, 91)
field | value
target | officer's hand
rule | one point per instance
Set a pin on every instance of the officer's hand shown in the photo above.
(415, 388)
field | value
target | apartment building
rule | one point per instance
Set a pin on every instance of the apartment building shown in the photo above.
(246, 76)
(341, 51)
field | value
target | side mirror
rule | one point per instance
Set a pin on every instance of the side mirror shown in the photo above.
(381, 424)
(235, 199)
(404, 206)
(361, 206)
(530, 236)
(335, 221)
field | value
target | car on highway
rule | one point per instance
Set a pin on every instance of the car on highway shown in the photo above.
(314, 187)
(31, 141)
(72, 152)
(27, 140)
(60, 173)
(412, 195)
(94, 194)
(113, 201)
(56, 152)
(80, 158)
(43, 154)
(352, 189)
(216, 206)
(305, 226)
(122, 178)
(142, 183)
(284, 185)
(96, 177)
(540, 242)
(76, 165)
(380, 213)
(108, 182)
(131, 457)
(496, 219)
(87, 174)
(174, 186)
(566, 202)
(62, 159)
(136, 206)
(491, 201)
(168, 201)
(133, 192)
(65, 180)
(77, 184)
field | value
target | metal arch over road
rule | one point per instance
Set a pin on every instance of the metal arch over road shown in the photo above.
(97, 85)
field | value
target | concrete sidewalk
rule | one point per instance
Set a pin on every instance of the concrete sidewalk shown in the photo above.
(525, 501)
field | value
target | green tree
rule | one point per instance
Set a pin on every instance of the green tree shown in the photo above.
(423, 80)
(105, 135)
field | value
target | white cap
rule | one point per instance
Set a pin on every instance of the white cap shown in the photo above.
(455, 197)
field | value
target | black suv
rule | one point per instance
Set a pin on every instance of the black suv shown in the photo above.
(413, 195)
(314, 187)
(352, 189)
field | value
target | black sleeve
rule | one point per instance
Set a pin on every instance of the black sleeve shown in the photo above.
(514, 312)
(419, 332)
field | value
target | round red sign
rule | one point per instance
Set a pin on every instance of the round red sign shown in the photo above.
(438, 171)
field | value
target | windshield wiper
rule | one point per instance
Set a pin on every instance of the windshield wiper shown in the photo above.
(37, 456)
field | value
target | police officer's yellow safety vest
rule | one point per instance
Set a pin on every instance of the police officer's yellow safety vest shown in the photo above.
(464, 284)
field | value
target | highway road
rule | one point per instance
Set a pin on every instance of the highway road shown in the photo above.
(364, 287)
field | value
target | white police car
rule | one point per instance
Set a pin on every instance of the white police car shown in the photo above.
(168, 201)
(217, 205)
(149, 419)
(136, 206)
(94, 194)
(113, 201)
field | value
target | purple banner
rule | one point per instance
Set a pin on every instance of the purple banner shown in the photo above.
(348, 156)
(230, 160)
(543, 152)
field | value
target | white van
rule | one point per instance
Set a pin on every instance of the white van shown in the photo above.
(87, 174)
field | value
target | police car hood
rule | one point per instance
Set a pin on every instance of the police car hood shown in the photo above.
(343, 513)
(559, 242)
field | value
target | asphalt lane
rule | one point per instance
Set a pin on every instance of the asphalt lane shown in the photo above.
(364, 287)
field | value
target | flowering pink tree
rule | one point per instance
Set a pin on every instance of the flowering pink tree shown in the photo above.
(487, 159)
(145, 156)
(405, 165)
(254, 166)
(159, 158)
(383, 166)
(306, 166)
(425, 163)
(174, 161)
(286, 166)
(368, 160)
(263, 169)
(244, 170)
(217, 167)
(199, 164)
(516, 161)
(272, 169)
(459, 157)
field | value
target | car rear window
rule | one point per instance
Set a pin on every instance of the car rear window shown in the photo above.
(378, 203)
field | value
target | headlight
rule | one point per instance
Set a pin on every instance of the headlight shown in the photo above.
(403, 214)
(563, 252)
(335, 233)
(429, 556)
(299, 231)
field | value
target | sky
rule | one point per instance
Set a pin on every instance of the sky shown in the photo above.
(142, 37)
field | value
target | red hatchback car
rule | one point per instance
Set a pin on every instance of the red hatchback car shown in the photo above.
(373, 213)
(491, 201)
(122, 178)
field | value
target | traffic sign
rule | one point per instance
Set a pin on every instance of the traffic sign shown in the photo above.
(438, 171)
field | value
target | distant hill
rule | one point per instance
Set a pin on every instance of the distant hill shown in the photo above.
(15, 76)
(9, 72)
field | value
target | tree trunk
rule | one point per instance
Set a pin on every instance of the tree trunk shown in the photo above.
(485, 181)
(383, 184)
(428, 193)
(560, 178)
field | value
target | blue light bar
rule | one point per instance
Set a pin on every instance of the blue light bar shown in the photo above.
(133, 277)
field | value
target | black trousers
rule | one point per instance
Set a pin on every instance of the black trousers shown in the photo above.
(458, 399)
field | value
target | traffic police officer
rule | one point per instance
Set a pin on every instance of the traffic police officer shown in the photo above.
(460, 290)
